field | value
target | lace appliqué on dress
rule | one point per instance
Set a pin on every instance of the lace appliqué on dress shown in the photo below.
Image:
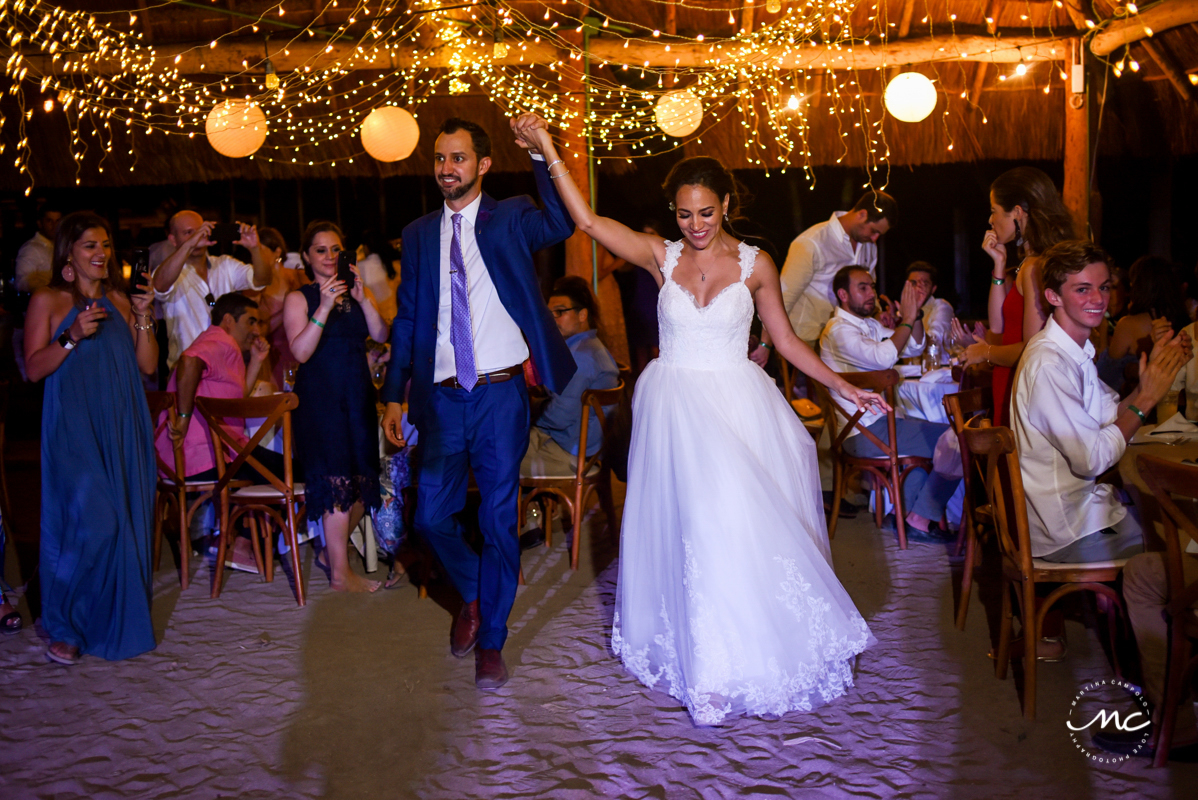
(328, 493)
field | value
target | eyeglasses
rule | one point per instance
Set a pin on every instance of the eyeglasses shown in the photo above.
(210, 300)
(557, 312)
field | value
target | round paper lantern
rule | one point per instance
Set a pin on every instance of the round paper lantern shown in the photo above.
(679, 113)
(236, 128)
(910, 97)
(390, 133)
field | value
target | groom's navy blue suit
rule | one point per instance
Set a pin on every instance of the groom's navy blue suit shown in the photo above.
(484, 430)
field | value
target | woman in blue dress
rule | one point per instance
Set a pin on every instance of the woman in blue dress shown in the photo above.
(88, 341)
(336, 423)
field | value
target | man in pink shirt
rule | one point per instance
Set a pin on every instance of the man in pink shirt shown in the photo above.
(214, 365)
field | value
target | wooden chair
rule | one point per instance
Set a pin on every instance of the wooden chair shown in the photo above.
(1164, 479)
(889, 471)
(810, 413)
(591, 474)
(274, 501)
(1004, 483)
(962, 408)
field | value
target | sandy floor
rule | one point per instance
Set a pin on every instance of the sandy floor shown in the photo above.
(357, 697)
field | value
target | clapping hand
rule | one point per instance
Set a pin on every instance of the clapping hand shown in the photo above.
(1158, 369)
(964, 336)
(886, 312)
(911, 301)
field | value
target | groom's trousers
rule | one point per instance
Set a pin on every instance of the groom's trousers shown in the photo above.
(485, 431)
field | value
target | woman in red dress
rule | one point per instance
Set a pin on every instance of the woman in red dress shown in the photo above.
(1027, 217)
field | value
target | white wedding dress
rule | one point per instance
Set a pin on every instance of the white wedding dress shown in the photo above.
(726, 597)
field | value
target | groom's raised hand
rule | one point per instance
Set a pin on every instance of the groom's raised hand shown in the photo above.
(528, 128)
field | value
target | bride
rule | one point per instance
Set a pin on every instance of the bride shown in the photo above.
(726, 596)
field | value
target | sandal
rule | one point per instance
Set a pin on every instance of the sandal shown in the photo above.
(67, 660)
(11, 624)
(395, 580)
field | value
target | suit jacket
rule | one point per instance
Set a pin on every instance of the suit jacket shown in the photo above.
(508, 232)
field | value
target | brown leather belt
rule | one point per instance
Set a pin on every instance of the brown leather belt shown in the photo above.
(491, 377)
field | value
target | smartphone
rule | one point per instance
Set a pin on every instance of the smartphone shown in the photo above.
(345, 260)
(141, 264)
(224, 234)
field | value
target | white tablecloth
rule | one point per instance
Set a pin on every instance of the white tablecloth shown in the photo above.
(921, 399)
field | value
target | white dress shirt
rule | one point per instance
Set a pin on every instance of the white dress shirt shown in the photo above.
(813, 260)
(1187, 378)
(938, 319)
(498, 342)
(1063, 418)
(34, 263)
(861, 344)
(184, 306)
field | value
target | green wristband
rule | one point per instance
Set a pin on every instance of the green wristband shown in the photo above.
(767, 345)
(316, 322)
(997, 281)
(908, 324)
(1138, 413)
(183, 415)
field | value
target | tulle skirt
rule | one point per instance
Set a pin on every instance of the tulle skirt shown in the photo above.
(727, 599)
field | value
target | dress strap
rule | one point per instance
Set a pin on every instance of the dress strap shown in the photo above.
(748, 257)
(673, 251)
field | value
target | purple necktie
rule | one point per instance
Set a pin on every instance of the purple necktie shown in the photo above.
(461, 333)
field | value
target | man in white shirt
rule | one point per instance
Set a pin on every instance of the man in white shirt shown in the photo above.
(853, 341)
(937, 312)
(1187, 379)
(1069, 426)
(190, 281)
(36, 256)
(844, 239)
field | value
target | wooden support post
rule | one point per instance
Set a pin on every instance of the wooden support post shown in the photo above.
(1076, 192)
(979, 82)
(991, 16)
(746, 17)
(905, 20)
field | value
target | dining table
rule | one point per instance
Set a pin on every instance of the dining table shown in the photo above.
(1183, 450)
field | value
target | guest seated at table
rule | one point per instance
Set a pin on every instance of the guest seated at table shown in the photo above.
(937, 312)
(1070, 427)
(214, 365)
(1157, 302)
(553, 440)
(1186, 381)
(854, 342)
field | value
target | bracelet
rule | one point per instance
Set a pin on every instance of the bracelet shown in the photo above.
(766, 345)
(137, 327)
(997, 281)
(559, 161)
(555, 177)
(988, 346)
(316, 322)
(1138, 413)
(183, 415)
(908, 324)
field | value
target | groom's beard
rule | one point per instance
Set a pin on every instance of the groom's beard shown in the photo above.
(461, 190)
(864, 310)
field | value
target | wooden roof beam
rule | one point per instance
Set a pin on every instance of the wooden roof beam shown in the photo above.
(1168, 65)
(248, 55)
(905, 20)
(1156, 19)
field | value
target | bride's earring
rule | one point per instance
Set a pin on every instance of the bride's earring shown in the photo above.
(68, 272)
(1018, 235)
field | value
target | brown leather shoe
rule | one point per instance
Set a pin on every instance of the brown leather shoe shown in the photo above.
(489, 671)
(464, 635)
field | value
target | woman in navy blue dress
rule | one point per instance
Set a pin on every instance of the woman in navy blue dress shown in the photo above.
(336, 423)
(88, 341)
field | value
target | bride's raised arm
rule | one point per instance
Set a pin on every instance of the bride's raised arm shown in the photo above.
(642, 249)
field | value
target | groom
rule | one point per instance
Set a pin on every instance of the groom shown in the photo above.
(470, 312)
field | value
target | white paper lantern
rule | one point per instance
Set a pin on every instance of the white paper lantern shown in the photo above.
(236, 128)
(910, 97)
(390, 133)
(679, 113)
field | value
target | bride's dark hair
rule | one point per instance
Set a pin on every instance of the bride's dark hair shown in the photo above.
(710, 174)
